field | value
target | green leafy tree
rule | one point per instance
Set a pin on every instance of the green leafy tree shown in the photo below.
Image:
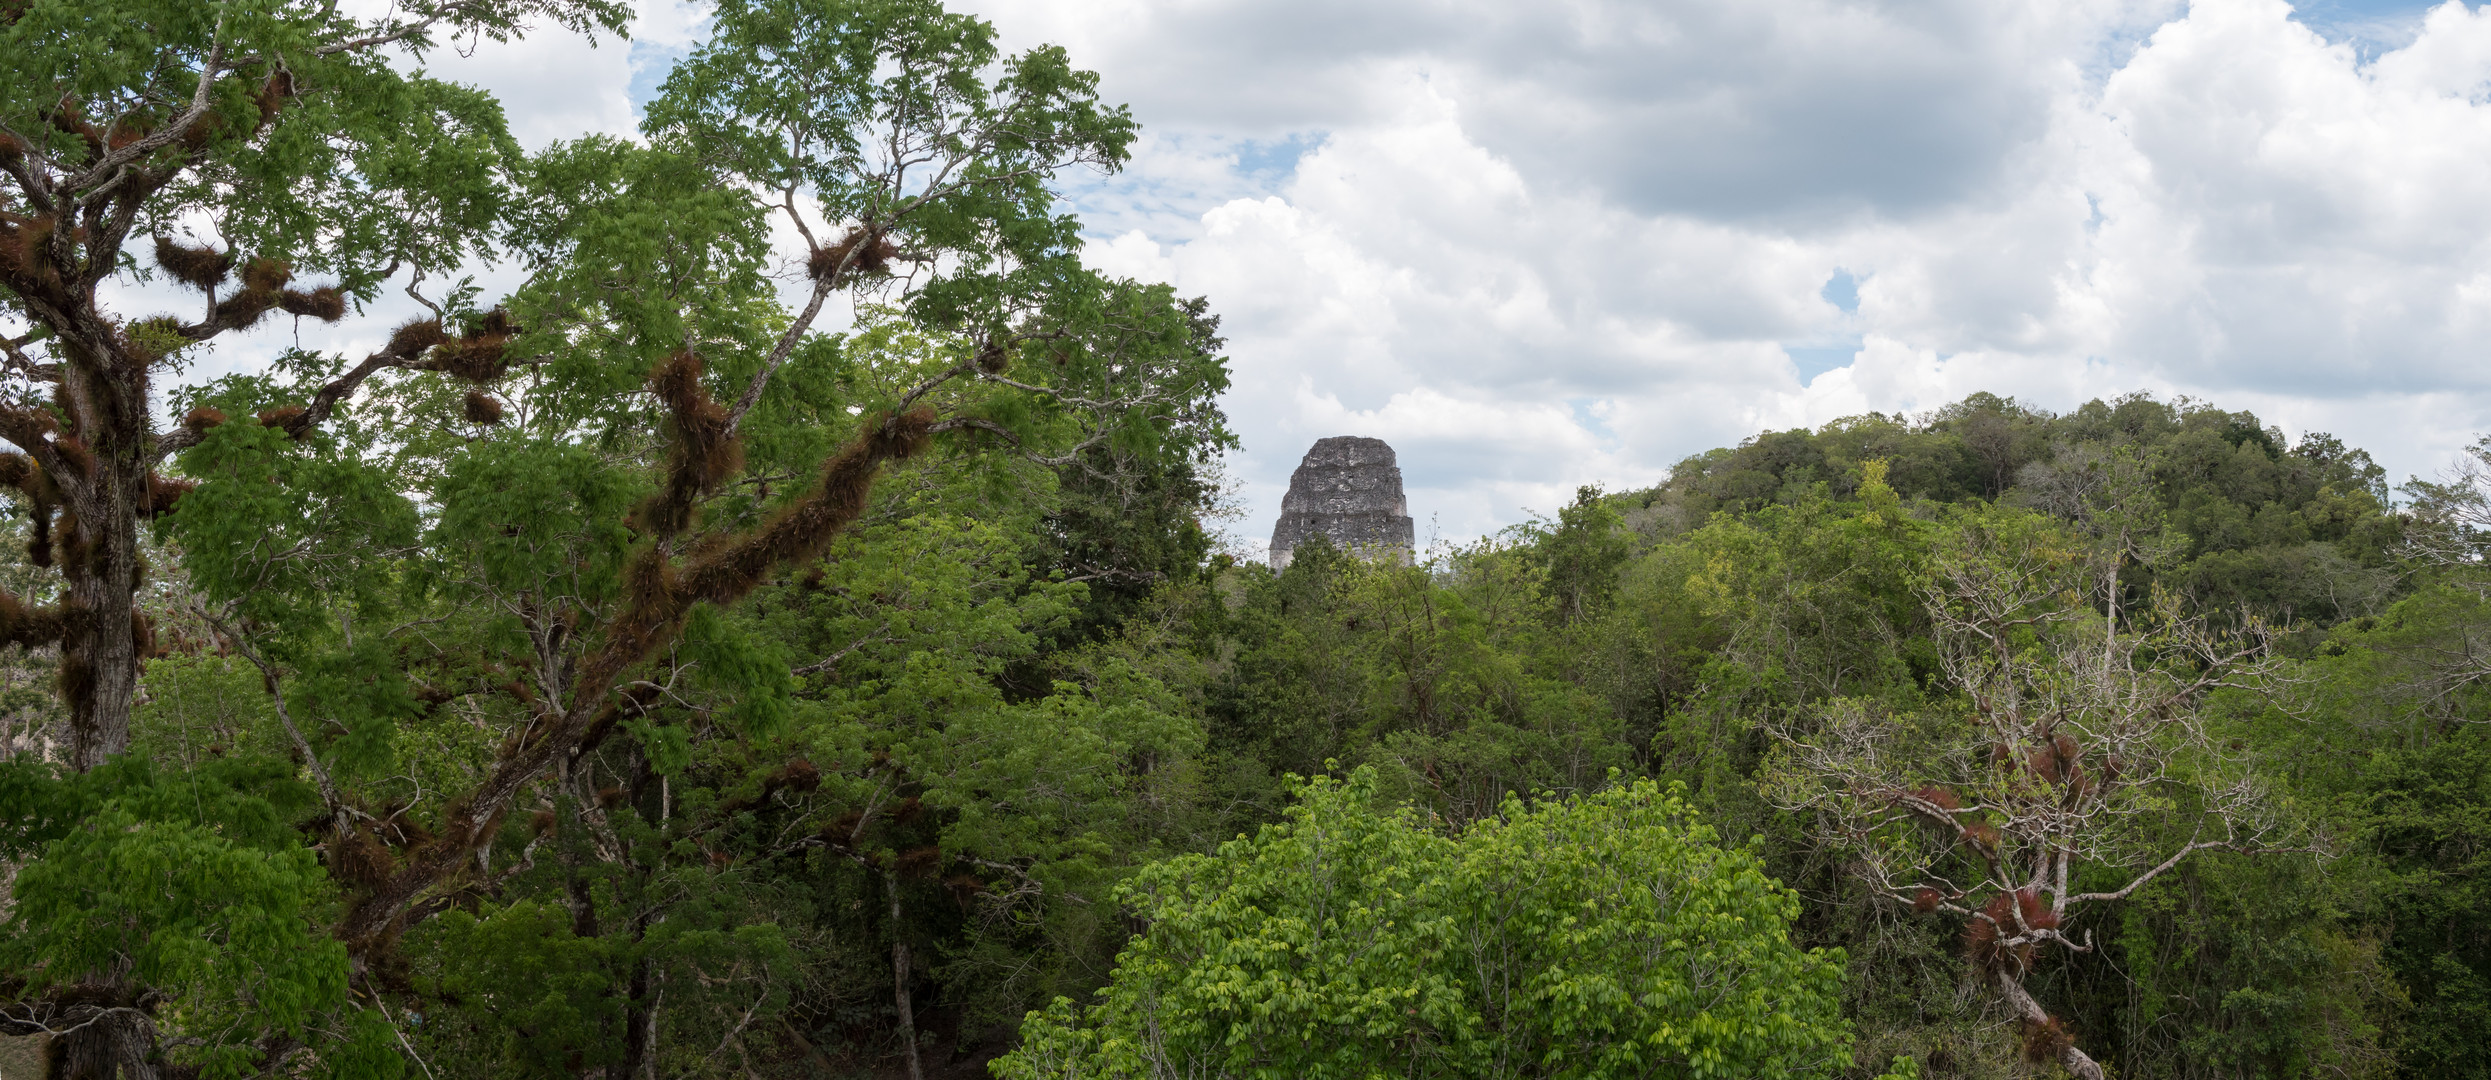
(1583, 551)
(1595, 936)
(194, 886)
(1453, 678)
(580, 564)
(2398, 755)
(2283, 532)
(974, 822)
(488, 609)
(289, 131)
(1129, 519)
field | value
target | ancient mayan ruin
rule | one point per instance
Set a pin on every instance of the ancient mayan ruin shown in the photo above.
(1349, 489)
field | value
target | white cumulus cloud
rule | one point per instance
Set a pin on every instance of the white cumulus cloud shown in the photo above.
(1542, 245)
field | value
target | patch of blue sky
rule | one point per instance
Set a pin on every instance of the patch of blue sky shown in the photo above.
(1815, 360)
(1587, 416)
(1177, 177)
(1272, 162)
(1843, 291)
(650, 64)
(2369, 26)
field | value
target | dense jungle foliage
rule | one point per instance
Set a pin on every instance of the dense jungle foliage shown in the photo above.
(644, 675)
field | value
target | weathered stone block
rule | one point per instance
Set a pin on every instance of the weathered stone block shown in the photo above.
(1349, 489)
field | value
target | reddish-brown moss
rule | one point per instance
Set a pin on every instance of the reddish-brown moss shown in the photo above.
(861, 251)
(198, 266)
(326, 304)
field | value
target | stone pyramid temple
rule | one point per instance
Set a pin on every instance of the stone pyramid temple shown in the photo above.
(1348, 489)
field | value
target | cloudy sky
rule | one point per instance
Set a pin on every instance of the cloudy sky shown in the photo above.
(1540, 243)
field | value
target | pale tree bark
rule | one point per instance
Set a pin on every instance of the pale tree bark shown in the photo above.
(2039, 1023)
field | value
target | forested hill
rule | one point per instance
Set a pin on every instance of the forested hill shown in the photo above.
(1833, 637)
(636, 675)
(2288, 531)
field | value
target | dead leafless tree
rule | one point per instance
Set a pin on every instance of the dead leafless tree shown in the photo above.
(2077, 771)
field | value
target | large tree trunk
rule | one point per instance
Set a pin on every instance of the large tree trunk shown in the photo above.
(90, 456)
(100, 653)
(105, 1038)
(104, 394)
(93, 450)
